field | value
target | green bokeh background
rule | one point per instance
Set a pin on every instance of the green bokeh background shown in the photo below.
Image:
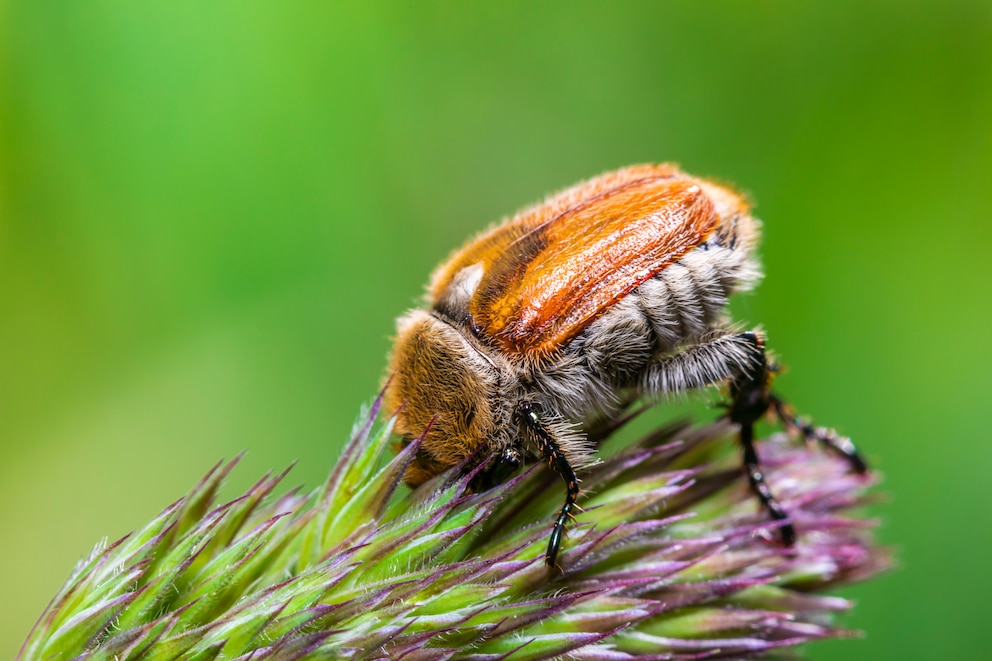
(211, 213)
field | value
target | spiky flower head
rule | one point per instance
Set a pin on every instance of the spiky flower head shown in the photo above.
(672, 559)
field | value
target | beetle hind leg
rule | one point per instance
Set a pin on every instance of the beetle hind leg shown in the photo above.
(825, 436)
(738, 359)
(752, 398)
(750, 401)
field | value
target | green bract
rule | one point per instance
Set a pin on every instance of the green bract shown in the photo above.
(673, 558)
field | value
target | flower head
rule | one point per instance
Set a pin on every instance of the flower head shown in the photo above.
(672, 559)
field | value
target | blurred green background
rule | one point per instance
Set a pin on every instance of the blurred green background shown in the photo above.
(211, 213)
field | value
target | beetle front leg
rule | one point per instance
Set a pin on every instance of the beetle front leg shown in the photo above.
(551, 450)
(498, 471)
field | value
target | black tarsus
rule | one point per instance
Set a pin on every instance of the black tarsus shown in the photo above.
(751, 399)
(553, 453)
(826, 437)
(761, 489)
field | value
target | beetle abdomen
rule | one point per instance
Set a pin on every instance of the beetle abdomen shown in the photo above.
(674, 309)
(688, 298)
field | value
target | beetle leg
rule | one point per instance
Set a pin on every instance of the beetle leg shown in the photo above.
(750, 400)
(737, 359)
(829, 438)
(498, 471)
(558, 462)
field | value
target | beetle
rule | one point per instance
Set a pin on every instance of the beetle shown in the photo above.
(610, 290)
